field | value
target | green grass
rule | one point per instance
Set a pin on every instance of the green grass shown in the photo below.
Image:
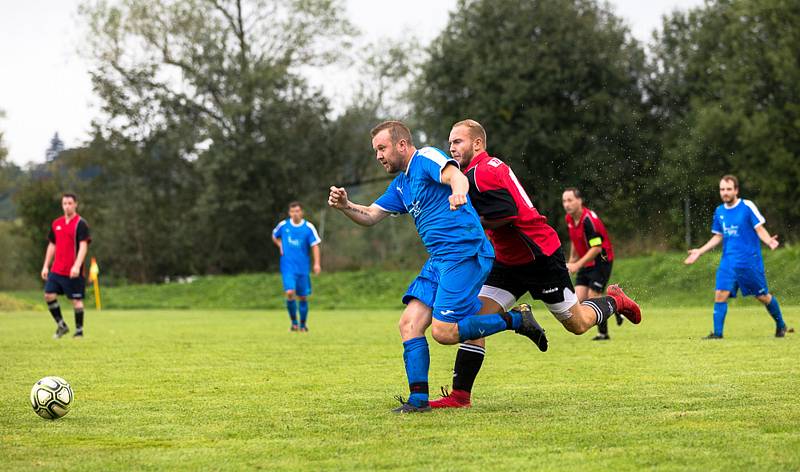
(659, 278)
(222, 390)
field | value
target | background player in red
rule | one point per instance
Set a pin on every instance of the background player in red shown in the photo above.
(591, 254)
(528, 257)
(69, 241)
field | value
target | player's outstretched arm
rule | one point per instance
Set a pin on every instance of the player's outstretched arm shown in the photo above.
(764, 236)
(695, 254)
(363, 215)
(459, 185)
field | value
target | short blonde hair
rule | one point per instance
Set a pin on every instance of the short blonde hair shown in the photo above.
(397, 131)
(475, 129)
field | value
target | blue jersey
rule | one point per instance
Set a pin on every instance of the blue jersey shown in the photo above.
(740, 244)
(419, 192)
(297, 241)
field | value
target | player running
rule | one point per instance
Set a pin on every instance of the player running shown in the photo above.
(528, 258)
(432, 189)
(591, 254)
(68, 244)
(739, 225)
(294, 237)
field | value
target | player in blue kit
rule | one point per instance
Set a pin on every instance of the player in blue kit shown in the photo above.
(431, 188)
(295, 237)
(739, 226)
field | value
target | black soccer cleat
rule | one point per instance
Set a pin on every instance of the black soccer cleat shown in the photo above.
(406, 407)
(304, 329)
(61, 330)
(619, 319)
(602, 337)
(781, 332)
(530, 328)
(78, 333)
(713, 336)
(294, 328)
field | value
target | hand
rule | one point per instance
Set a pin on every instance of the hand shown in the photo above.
(317, 269)
(572, 267)
(457, 200)
(74, 272)
(338, 198)
(694, 254)
(773, 242)
(45, 271)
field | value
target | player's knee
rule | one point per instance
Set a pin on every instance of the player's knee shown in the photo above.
(302, 299)
(290, 295)
(574, 326)
(445, 333)
(77, 304)
(49, 297)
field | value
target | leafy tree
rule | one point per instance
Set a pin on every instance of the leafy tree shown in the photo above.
(725, 85)
(556, 85)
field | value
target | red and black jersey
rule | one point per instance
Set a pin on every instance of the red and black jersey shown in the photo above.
(590, 232)
(496, 194)
(67, 237)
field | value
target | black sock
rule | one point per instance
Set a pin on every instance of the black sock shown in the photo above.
(79, 318)
(468, 364)
(55, 311)
(602, 328)
(603, 307)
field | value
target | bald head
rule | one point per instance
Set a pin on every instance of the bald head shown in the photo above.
(467, 139)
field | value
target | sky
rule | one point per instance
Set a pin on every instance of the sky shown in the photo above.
(44, 76)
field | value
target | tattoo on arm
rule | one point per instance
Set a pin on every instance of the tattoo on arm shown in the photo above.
(355, 209)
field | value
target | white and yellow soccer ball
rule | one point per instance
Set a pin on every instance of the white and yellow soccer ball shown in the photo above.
(51, 397)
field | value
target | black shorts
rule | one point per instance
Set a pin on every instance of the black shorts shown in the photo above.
(546, 278)
(595, 277)
(74, 289)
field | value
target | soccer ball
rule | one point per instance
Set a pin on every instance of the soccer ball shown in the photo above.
(51, 397)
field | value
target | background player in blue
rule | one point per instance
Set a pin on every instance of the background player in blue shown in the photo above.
(294, 237)
(430, 187)
(740, 227)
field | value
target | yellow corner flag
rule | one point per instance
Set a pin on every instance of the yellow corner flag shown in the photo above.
(94, 271)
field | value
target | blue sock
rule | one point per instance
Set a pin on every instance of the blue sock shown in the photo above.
(479, 326)
(775, 311)
(417, 359)
(720, 310)
(291, 306)
(303, 312)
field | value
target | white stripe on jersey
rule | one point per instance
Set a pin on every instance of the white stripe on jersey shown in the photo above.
(754, 209)
(317, 239)
(277, 228)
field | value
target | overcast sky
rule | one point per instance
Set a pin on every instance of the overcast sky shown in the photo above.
(44, 80)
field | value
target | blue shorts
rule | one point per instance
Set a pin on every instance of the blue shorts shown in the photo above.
(450, 287)
(750, 280)
(74, 289)
(300, 283)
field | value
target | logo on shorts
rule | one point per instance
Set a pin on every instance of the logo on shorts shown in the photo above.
(447, 312)
(550, 290)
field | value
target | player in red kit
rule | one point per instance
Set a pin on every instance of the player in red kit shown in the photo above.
(591, 254)
(68, 243)
(528, 258)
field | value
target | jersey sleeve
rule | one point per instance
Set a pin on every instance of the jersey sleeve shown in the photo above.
(490, 196)
(716, 226)
(82, 232)
(390, 201)
(756, 218)
(277, 232)
(593, 237)
(432, 162)
(313, 235)
(51, 236)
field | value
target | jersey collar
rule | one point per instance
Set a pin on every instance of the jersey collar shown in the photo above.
(477, 159)
(410, 160)
(302, 222)
(738, 201)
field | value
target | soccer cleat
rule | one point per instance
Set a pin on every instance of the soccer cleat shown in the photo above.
(406, 407)
(619, 319)
(61, 331)
(625, 305)
(455, 399)
(602, 337)
(713, 336)
(294, 328)
(78, 333)
(530, 328)
(304, 329)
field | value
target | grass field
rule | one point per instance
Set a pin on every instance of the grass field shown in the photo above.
(211, 390)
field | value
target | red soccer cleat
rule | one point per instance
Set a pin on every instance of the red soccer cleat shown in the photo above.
(625, 305)
(454, 399)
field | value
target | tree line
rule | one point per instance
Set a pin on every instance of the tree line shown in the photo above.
(209, 126)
